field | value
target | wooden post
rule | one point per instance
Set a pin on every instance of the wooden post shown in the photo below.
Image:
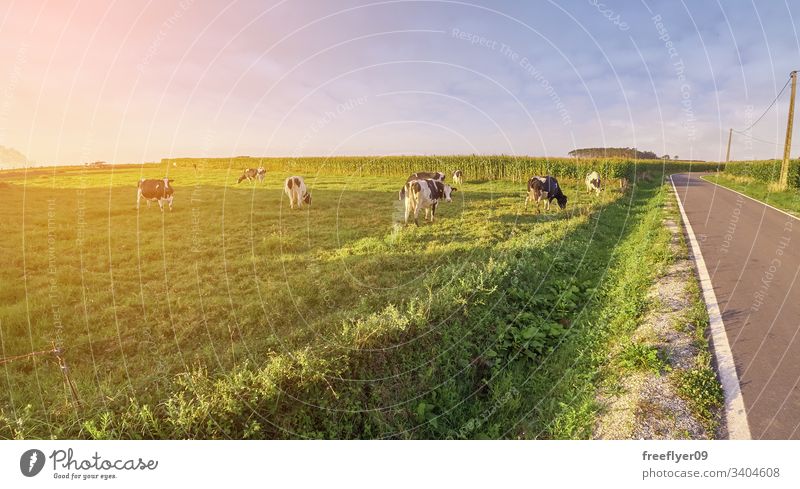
(728, 154)
(787, 148)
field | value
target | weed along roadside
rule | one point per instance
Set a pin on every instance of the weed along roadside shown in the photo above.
(659, 382)
(491, 323)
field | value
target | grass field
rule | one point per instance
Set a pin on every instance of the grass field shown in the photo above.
(788, 200)
(234, 317)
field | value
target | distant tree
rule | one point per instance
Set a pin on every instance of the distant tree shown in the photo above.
(612, 153)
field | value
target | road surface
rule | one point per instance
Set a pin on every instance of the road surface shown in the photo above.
(753, 260)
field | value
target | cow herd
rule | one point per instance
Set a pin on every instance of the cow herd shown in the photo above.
(422, 191)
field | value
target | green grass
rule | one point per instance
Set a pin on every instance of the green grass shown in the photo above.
(788, 200)
(233, 317)
(699, 385)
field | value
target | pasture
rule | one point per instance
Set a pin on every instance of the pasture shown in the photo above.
(234, 317)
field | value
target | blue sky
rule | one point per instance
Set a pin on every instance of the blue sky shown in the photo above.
(138, 82)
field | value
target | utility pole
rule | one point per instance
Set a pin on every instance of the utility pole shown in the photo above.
(787, 148)
(728, 155)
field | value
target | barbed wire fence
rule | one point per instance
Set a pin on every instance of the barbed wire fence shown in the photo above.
(57, 354)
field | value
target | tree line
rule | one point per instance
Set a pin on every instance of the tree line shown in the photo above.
(631, 153)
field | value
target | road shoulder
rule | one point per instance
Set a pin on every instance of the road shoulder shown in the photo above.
(660, 383)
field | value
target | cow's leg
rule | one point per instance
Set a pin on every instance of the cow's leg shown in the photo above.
(433, 210)
(416, 215)
(161, 204)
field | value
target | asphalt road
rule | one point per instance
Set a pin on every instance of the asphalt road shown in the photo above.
(753, 259)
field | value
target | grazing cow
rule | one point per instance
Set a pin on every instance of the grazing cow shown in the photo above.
(547, 189)
(261, 173)
(421, 175)
(160, 190)
(249, 174)
(593, 182)
(425, 194)
(458, 177)
(295, 188)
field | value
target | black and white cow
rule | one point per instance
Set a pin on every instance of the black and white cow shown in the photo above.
(252, 173)
(160, 190)
(421, 175)
(593, 182)
(458, 177)
(295, 188)
(545, 188)
(425, 194)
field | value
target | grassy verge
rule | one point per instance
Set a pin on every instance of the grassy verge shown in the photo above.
(699, 385)
(787, 200)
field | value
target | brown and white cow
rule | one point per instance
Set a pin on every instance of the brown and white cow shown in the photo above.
(458, 177)
(425, 194)
(252, 173)
(421, 175)
(160, 190)
(295, 188)
(593, 182)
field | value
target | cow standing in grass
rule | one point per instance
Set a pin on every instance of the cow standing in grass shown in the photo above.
(160, 190)
(421, 175)
(593, 182)
(547, 189)
(425, 194)
(295, 188)
(458, 177)
(252, 173)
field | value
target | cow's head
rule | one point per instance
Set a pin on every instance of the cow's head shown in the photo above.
(448, 193)
(562, 201)
(307, 198)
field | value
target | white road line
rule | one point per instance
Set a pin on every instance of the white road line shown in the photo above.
(751, 198)
(735, 414)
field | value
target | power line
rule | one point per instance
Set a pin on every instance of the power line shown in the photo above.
(755, 138)
(767, 109)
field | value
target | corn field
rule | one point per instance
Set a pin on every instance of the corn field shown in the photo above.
(767, 171)
(498, 167)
